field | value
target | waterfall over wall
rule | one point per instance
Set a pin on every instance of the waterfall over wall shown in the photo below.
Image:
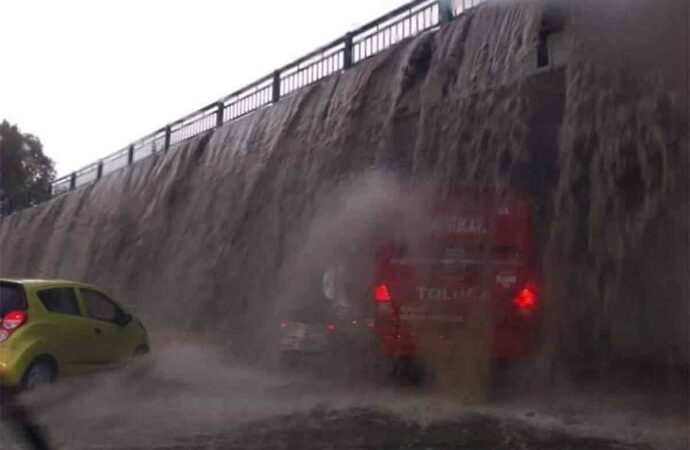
(197, 237)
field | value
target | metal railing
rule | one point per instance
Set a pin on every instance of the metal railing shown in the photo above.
(393, 28)
(376, 36)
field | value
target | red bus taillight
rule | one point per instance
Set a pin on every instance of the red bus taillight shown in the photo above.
(526, 299)
(381, 293)
(11, 322)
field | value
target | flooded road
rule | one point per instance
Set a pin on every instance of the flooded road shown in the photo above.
(208, 236)
(189, 397)
(367, 428)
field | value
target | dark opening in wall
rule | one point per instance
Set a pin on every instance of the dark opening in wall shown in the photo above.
(543, 50)
(552, 22)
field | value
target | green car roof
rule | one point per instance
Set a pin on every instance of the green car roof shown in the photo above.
(37, 283)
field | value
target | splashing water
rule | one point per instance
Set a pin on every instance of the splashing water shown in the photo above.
(204, 241)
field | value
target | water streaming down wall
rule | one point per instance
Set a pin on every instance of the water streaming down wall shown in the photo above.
(197, 237)
(620, 238)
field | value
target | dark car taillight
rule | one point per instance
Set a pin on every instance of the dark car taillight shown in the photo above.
(11, 323)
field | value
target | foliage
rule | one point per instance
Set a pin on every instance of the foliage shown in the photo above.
(25, 171)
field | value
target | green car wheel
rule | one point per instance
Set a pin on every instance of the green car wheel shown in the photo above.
(39, 373)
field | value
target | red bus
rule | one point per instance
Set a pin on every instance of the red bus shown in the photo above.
(468, 258)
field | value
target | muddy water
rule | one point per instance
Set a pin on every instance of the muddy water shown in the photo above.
(205, 239)
(619, 238)
(189, 396)
(196, 237)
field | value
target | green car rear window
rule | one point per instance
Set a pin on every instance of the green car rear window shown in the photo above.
(60, 300)
(11, 298)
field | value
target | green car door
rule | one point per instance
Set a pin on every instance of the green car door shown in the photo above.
(62, 330)
(112, 334)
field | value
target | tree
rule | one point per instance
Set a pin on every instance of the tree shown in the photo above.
(25, 171)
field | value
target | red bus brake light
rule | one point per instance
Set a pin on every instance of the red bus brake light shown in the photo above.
(526, 298)
(381, 293)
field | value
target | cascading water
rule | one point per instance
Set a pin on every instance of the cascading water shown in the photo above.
(202, 231)
(201, 238)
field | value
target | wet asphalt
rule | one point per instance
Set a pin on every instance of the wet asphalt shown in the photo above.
(168, 402)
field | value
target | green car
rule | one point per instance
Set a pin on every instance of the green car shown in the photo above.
(51, 328)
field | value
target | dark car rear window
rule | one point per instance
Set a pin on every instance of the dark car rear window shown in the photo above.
(11, 298)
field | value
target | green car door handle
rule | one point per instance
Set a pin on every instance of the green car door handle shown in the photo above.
(97, 330)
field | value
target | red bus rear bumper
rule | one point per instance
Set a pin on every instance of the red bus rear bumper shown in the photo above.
(511, 342)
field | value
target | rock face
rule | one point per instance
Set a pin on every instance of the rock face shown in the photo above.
(200, 238)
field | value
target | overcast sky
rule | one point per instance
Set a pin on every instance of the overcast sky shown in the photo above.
(88, 77)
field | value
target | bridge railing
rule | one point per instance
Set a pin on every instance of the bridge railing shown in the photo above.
(376, 36)
(397, 26)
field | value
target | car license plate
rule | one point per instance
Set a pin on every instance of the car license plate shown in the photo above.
(304, 337)
(296, 330)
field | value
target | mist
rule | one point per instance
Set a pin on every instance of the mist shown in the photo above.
(213, 243)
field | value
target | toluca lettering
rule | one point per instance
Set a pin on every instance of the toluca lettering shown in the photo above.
(447, 294)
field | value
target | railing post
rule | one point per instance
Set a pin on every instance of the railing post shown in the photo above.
(347, 51)
(50, 190)
(73, 181)
(219, 114)
(130, 155)
(168, 132)
(445, 11)
(99, 171)
(276, 86)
